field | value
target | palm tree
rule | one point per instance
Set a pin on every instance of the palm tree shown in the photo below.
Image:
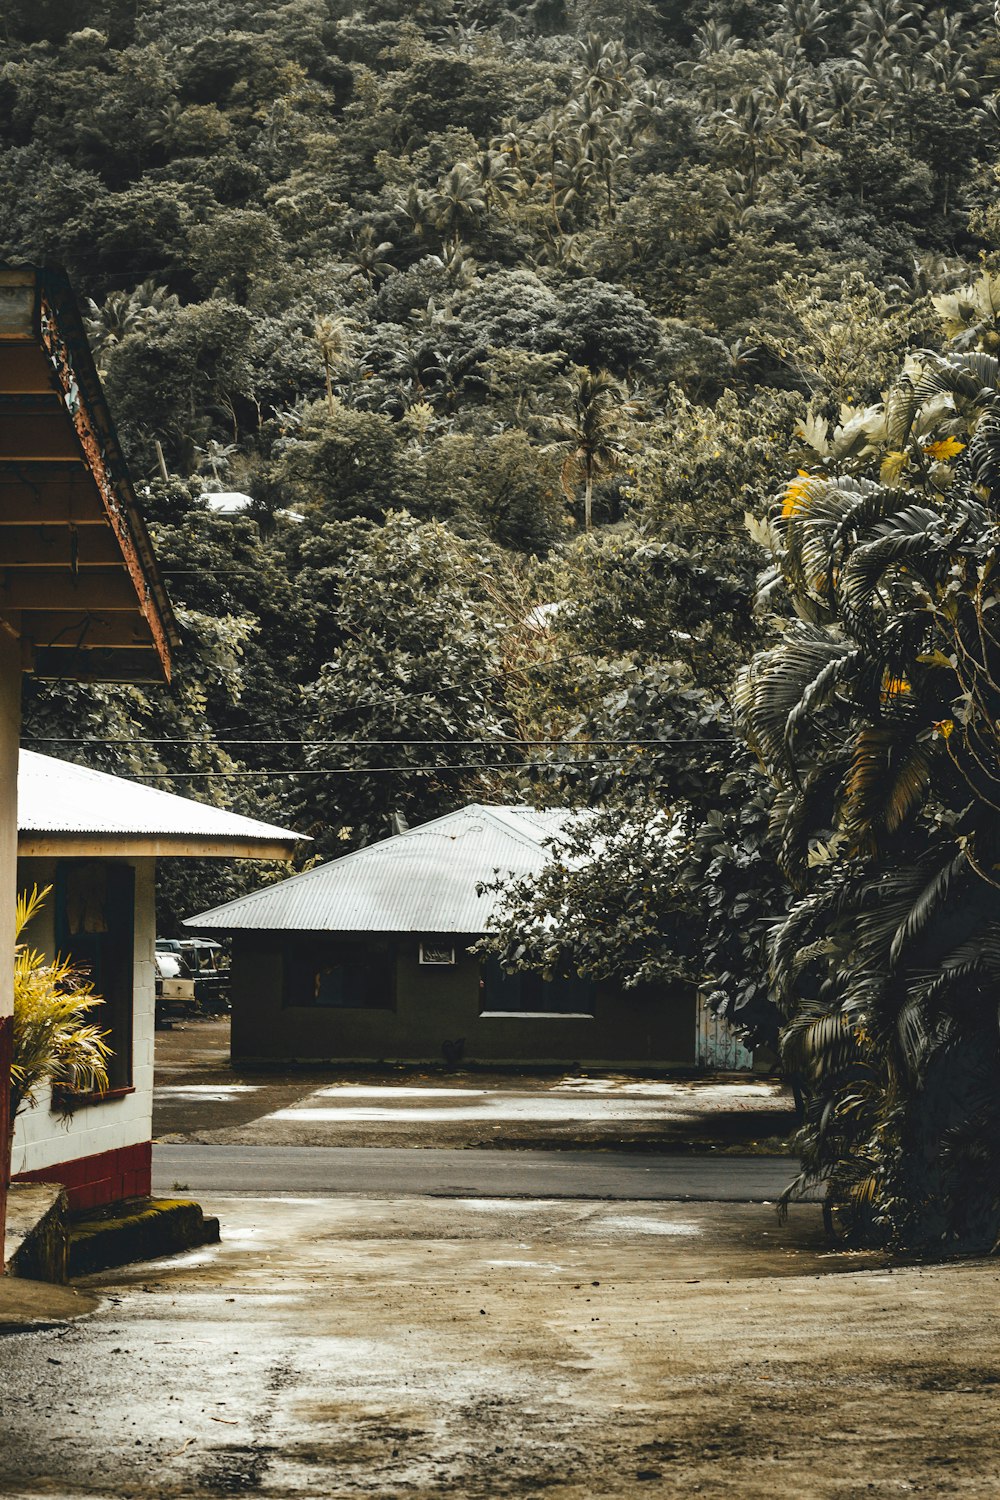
(369, 256)
(415, 209)
(754, 131)
(337, 339)
(888, 22)
(215, 460)
(458, 202)
(123, 313)
(596, 151)
(595, 433)
(877, 717)
(808, 23)
(713, 41)
(548, 137)
(849, 98)
(497, 178)
(610, 74)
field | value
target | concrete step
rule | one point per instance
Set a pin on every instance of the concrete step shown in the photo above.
(137, 1229)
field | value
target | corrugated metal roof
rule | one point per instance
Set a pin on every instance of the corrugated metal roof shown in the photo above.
(56, 797)
(421, 881)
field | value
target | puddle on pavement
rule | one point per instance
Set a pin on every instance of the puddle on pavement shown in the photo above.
(523, 1265)
(703, 1095)
(207, 1093)
(181, 1262)
(286, 1200)
(640, 1224)
(509, 1205)
(538, 1109)
(373, 1091)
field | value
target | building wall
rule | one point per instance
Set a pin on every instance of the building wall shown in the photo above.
(102, 1151)
(10, 722)
(435, 1006)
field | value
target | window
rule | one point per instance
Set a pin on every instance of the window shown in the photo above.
(529, 994)
(433, 951)
(333, 975)
(95, 927)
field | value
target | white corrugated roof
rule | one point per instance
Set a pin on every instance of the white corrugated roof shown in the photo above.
(56, 797)
(423, 880)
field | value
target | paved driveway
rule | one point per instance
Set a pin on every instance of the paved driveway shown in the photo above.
(408, 1349)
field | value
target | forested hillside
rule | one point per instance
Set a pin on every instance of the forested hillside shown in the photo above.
(505, 316)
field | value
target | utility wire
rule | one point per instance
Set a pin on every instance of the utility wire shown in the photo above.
(53, 739)
(409, 699)
(366, 770)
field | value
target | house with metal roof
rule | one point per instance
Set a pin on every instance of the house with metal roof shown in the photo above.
(80, 595)
(94, 840)
(366, 959)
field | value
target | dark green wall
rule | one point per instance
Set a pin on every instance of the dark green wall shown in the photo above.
(434, 1006)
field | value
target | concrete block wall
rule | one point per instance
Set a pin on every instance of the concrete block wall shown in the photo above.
(629, 1029)
(116, 1131)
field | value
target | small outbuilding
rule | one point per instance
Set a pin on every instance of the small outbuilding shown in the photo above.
(95, 839)
(366, 959)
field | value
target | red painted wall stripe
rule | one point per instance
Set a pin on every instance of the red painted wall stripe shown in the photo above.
(92, 1181)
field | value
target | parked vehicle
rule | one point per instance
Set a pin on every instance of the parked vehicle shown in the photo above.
(175, 989)
(207, 964)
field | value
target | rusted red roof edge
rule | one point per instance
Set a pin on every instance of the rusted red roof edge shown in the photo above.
(61, 333)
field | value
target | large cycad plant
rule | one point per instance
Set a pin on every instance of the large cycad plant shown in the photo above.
(878, 717)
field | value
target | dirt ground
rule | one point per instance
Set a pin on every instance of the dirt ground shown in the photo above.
(482, 1349)
(409, 1348)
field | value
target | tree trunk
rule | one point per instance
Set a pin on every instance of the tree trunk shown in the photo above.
(588, 498)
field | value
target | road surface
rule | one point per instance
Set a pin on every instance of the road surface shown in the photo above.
(392, 1172)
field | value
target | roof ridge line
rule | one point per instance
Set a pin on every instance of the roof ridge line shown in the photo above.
(516, 833)
(339, 859)
(245, 904)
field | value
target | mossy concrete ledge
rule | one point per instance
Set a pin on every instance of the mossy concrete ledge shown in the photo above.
(137, 1229)
(37, 1243)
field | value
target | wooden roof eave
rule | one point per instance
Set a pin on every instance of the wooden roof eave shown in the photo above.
(78, 578)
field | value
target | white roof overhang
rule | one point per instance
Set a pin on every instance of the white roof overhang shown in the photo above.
(66, 809)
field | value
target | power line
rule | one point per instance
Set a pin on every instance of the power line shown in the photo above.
(366, 770)
(55, 739)
(495, 677)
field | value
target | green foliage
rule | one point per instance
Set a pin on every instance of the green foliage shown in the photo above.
(54, 1041)
(442, 289)
(875, 715)
(633, 931)
(341, 463)
(416, 680)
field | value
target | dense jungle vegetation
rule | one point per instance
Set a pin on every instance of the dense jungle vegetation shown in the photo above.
(534, 331)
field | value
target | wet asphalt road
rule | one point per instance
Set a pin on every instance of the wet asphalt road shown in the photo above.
(389, 1172)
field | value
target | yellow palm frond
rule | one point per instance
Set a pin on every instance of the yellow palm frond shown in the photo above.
(54, 1042)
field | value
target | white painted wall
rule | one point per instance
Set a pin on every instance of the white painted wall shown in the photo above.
(41, 1137)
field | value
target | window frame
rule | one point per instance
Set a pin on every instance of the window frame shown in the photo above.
(319, 953)
(118, 964)
(494, 978)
